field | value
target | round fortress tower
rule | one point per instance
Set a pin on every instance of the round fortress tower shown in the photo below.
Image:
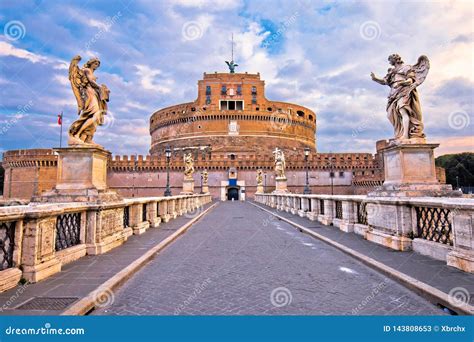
(231, 114)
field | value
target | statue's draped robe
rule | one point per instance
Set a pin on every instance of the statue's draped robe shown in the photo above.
(404, 97)
(95, 106)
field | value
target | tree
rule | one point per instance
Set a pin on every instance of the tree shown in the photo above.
(459, 165)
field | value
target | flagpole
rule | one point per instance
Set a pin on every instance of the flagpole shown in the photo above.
(61, 135)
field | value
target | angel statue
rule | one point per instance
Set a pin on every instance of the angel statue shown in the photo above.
(280, 163)
(403, 107)
(205, 177)
(232, 66)
(259, 177)
(188, 166)
(91, 99)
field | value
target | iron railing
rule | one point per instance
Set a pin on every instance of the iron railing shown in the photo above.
(68, 229)
(362, 213)
(434, 224)
(144, 214)
(126, 217)
(339, 210)
(7, 244)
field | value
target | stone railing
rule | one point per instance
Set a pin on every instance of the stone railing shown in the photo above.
(37, 239)
(441, 228)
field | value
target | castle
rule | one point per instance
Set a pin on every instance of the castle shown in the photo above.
(231, 129)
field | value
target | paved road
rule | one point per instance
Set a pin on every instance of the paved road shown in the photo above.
(238, 260)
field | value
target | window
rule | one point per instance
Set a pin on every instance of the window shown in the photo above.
(254, 90)
(341, 173)
(232, 105)
(232, 157)
(300, 113)
(254, 99)
(208, 99)
(224, 90)
(310, 117)
(269, 109)
(208, 90)
(239, 90)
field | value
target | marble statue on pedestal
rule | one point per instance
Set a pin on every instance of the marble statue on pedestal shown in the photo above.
(403, 107)
(91, 99)
(280, 163)
(188, 166)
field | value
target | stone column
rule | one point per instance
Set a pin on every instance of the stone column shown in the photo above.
(163, 211)
(313, 214)
(39, 259)
(462, 256)
(348, 217)
(328, 215)
(138, 225)
(153, 214)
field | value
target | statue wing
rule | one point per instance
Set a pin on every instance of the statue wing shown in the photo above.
(421, 69)
(227, 62)
(77, 79)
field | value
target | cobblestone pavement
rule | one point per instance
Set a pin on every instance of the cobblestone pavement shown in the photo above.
(239, 260)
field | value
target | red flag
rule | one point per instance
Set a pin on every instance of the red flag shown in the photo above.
(60, 119)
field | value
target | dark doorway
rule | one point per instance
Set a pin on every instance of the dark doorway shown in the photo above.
(233, 194)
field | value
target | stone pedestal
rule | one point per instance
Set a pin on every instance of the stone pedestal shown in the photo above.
(259, 189)
(81, 177)
(410, 172)
(281, 185)
(188, 187)
(205, 189)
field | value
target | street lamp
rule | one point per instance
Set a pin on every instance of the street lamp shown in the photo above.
(168, 157)
(457, 182)
(201, 184)
(307, 190)
(331, 175)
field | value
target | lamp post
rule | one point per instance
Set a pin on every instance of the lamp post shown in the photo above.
(168, 157)
(307, 190)
(201, 184)
(265, 183)
(457, 182)
(331, 175)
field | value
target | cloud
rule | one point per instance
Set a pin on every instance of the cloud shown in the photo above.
(8, 50)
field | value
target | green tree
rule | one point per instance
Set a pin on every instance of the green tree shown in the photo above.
(458, 165)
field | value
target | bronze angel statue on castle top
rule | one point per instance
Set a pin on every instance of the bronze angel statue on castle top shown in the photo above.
(403, 107)
(91, 99)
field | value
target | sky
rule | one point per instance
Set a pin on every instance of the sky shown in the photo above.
(318, 54)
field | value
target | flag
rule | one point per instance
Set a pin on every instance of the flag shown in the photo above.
(60, 119)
